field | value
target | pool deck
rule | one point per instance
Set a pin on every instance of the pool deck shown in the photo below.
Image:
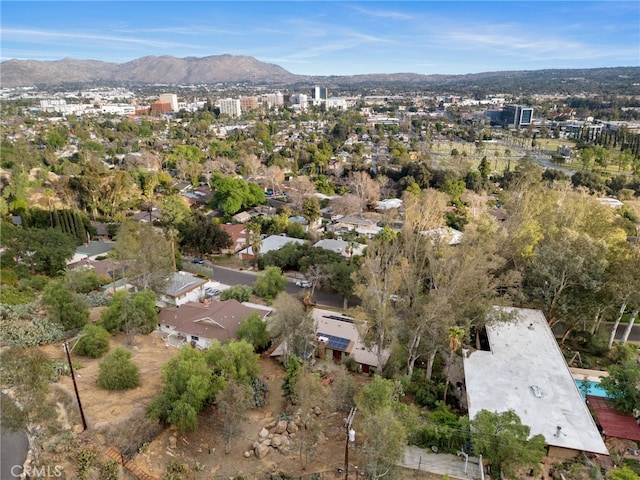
(592, 375)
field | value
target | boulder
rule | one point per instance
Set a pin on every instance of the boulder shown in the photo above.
(281, 426)
(101, 427)
(292, 427)
(316, 410)
(276, 441)
(267, 442)
(261, 451)
(247, 454)
(264, 433)
(173, 441)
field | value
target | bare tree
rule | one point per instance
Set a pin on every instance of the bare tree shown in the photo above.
(233, 402)
(292, 326)
(365, 188)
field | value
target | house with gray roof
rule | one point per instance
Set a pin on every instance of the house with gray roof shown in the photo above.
(200, 323)
(273, 242)
(183, 287)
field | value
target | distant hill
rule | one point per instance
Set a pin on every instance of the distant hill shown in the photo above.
(244, 69)
(145, 70)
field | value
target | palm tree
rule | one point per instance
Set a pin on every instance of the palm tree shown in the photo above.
(454, 336)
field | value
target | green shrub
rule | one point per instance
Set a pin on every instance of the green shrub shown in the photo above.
(240, 293)
(10, 295)
(94, 343)
(117, 371)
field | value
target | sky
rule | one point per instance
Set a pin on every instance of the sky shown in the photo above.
(333, 37)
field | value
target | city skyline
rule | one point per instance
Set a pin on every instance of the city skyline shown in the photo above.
(331, 37)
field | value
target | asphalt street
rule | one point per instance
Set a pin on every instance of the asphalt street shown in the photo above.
(227, 276)
(13, 451)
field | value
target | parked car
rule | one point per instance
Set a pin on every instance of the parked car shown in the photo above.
(303, 284)
(198, 261)
(212, 292)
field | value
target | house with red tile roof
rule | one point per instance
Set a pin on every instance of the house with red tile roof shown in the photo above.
(238, 234)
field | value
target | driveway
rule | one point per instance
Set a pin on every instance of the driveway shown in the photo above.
(440, 463)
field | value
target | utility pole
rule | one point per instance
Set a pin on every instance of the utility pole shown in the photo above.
(75, 386)
(351, 437)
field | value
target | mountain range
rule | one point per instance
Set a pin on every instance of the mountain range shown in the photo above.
(244, 69)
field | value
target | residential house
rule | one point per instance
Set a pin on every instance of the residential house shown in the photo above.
(183, 287)
(242, 217)
(238, 236)
(151, 215)
(200, 323)
(445, 235)
(91, 250)
(521, 368)
(346, 249)
(314, 226)
(337, 338)
(273, 242)
(350, 223)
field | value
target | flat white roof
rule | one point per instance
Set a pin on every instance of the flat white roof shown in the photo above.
(526, 372)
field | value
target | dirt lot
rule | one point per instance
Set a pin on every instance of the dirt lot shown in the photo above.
(203, 452)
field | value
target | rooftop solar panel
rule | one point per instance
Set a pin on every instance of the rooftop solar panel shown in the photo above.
(340, 319)
(335, 343)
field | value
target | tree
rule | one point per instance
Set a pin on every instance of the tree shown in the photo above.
(235, 360)
(622, 473)
(504, 442)
(27, 372)
(253, 329)
(147, 254)
(42, 250)
(234, 194)
(232, 404)
(200, 235)
(455, 336)
(311, 209)
(117, 371)
(306, 392)
(64, 306)
(382, 452)
(188, 388)
(364, 188)
(622, 385)
(269, 283)
(94, 341)
(290, 325)
(341, 281)
(240, 293)
(377, 402)
(378, 279)
(131, 313)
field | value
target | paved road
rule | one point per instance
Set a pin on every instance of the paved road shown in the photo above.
(13, 451)
(229, 276)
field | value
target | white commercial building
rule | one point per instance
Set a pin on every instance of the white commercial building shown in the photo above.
(231, 107)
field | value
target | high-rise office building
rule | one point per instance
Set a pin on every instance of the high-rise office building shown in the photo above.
(516, 116)
(319, 93)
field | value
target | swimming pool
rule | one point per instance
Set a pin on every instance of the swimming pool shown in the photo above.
(590, 388)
